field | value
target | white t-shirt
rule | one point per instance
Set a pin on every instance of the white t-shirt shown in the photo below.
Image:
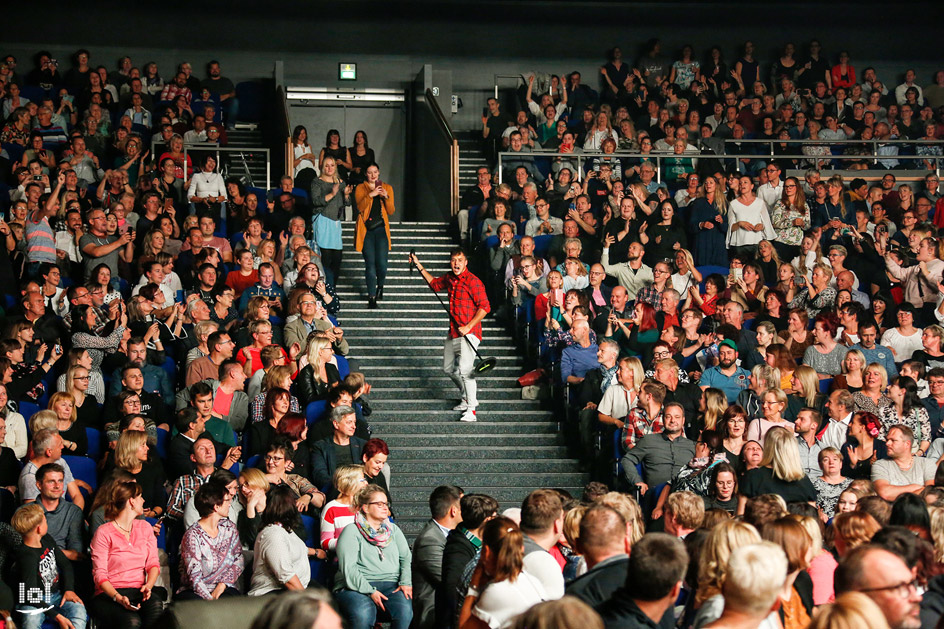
(500, 602)
(305, 163)
(617, 401)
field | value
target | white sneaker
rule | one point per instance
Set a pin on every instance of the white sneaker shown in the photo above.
(468, 416)
(461, 406)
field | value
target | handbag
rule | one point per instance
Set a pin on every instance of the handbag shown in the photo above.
(532, 378)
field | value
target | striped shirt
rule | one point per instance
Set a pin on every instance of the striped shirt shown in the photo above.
(40, 239)
(334, 517)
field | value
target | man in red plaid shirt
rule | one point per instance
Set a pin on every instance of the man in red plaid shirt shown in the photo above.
(468, 305)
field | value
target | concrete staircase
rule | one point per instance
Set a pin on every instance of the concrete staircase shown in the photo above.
(513, 448)
(471, 156)
(249, 164)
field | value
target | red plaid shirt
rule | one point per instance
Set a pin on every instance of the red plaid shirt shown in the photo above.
(637, 426)
(466, 297)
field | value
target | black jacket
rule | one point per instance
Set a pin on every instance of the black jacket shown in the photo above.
(457, 553)
(601, 581)
(308, 391)
(620, 612)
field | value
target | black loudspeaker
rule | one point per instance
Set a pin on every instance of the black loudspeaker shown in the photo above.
(232, 612)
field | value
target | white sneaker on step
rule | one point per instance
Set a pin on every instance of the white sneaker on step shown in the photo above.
(461, 406)
(468, 416)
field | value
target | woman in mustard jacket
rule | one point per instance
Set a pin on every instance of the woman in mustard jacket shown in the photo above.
(374, 207)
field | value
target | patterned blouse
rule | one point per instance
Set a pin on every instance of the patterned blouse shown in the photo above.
(782, 219)
(917, 420)
(207, 561)
(827, 495)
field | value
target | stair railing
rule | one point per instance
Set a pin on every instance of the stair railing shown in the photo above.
(236, 151)
(284, 128)
(450, 137)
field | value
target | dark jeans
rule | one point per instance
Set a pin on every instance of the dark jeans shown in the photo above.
(359, 610)
(331, 259)
(108, 613)
(376, 247)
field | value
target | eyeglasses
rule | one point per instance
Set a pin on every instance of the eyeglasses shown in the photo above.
(274, 459)
(902, 590)
(385, 505)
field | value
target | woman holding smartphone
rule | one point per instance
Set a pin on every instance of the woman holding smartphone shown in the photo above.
(375, 205)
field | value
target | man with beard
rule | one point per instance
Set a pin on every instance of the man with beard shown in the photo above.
(223, 88)
(726, 376)
(632, 274)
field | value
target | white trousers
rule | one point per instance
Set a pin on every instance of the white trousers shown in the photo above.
(458, 361)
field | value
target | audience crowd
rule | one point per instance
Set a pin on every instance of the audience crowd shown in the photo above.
(748, 362)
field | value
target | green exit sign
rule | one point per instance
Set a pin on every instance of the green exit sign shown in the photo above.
(347, 71)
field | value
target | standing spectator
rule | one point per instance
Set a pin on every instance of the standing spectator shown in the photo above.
(225, 91)
(374, 206)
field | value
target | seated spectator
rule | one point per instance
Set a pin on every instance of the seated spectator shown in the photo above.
(780, 471)
(47, 448)
(367, 580)
(131, 455)
(279, 557)
(825, 355)
(342, 448)
(906, 409)
(338, 513)
(755, 577)
(727, 375)
(42, 566)
(500, 588)
(878, 574)
(772, 408)
(662, 454)
(902, 472)
(210, 554)
(125, 565)
(657, 567)
(64, 520)
(320, 375)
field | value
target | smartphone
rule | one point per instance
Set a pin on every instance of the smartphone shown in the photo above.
(57, 348)
(559, 296)
(738, 273)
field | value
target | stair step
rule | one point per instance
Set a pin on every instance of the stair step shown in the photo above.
(486, 425)
(525, 481)
(398, 362)
(401, 441)
(506, 496)
(486, 406)
(485, 454)
(482, 466)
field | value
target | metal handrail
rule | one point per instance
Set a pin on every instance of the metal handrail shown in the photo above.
(286, 130)
(516, 77)
(227, 149)
(450, 137)
(438, 115)
(658, 158)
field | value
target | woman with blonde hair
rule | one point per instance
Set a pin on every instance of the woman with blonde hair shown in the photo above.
(852, 377)
(937, 532)
(851, 610)
(500, 589)
(797, 337)
(818, 295)
(87, 410)
(805, 386)
(707, 222)
(714, 402)
(763, 378)
(348, 480)
(630, 510)
(74, 439)
(853, 529)
(131, 455)
(320, 375)
(773, 406)
(780, 472)
(713, 562)
(253, 487)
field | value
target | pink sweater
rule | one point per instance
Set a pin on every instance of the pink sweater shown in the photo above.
(123, 564)
(821, 572)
